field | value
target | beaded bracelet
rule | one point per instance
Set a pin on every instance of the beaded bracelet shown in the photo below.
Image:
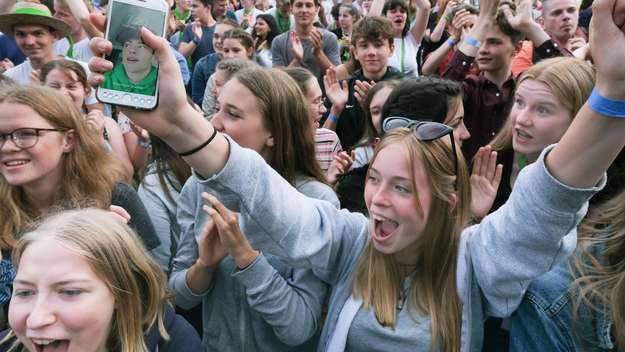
(606, 106)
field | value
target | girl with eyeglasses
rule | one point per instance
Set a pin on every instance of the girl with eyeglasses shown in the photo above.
(50, 159)
(412, 276)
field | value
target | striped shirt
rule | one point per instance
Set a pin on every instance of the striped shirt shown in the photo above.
(327, 145)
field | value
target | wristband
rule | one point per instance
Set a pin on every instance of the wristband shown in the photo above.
(473, 42)
(196, 40)
(201, 146)
(333, 118)
(451, 42)
(606, 106)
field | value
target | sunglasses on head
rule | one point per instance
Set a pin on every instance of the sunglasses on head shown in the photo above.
(424, 130)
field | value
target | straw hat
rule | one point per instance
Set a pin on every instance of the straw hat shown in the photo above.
(29, 13)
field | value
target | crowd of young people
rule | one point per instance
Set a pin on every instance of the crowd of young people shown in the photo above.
(317, 175)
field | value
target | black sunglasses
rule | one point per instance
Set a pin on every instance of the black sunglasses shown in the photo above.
(424, 130)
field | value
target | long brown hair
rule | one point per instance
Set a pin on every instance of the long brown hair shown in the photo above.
(285, 116)
(89, 172)
(600, 279)
(433, 291)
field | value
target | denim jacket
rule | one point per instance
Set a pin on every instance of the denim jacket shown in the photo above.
(544, 321)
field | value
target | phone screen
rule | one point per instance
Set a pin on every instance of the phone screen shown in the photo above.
(135, 68)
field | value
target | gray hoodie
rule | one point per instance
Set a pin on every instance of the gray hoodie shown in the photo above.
(268, 306)
(497, 258)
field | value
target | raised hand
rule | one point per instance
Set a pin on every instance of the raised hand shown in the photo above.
(95, 120)
(296, 47)
(485, 180)
(211, 251)
(232, 239)
(336, 91)
(521, 18)
(607, 40)
(341, 163)
(361, 89)
(196, 27)
(316, 37)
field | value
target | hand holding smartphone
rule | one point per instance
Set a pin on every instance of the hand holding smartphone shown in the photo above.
(133, 81)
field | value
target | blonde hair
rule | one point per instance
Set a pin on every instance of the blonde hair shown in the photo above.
(89, 172)
(377, 277)
(569, 79)
(600, 280)
(118, 258)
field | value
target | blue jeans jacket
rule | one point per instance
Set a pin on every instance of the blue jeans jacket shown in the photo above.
(544, 321)
(204, 68)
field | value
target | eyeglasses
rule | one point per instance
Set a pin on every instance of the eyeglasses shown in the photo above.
(319, 102)
(25, 138)
(424, 130)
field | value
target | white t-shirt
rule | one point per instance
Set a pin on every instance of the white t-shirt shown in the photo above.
(21, 74)
(255, 13)
(409, 51)
(81, 50)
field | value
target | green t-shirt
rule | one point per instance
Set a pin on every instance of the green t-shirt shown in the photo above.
(180, 17)
(118, 80)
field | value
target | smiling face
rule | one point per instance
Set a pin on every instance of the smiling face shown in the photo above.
(239, 117)
(59, 301)
(398, 211)
(261, 27)
(285, 7)
(538, 118)
(137, 57)
(40, 166)
(373, 55)
(304, 12)
(64, 13)
(68, 84)
(35, 41)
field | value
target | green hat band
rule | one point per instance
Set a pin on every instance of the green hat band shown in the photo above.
(31, 11)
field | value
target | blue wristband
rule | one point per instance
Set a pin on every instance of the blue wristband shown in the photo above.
(451, 42)
(333, 118)
(606, 106)
(472, 41)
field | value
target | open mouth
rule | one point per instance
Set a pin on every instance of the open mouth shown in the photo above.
(383, 228)
(15, 163)
(46, 345)
(522, 136)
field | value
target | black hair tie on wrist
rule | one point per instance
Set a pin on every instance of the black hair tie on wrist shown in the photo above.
(201, 146)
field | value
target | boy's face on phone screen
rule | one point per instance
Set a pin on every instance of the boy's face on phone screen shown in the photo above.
(137, 57)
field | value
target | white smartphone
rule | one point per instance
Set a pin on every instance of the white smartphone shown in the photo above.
(134, 79)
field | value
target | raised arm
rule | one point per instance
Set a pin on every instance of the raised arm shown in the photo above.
(549, 197)
(421, 20)
(306, 232)
(376, 8)
(81, 13)
(595, 138)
